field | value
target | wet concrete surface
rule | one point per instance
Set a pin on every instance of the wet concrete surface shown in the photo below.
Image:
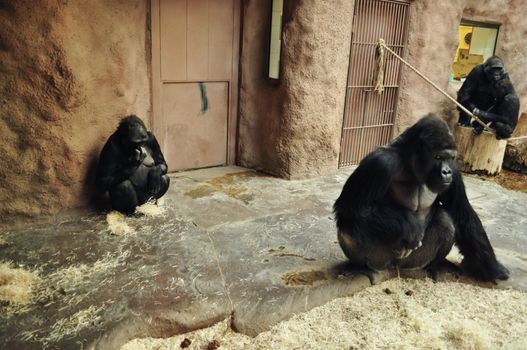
(230, 242)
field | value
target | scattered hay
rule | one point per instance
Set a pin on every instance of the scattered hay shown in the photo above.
(151, 209)
(71, 326)
(82, 276)
(70, 287)
(117, 224)
(417, 314)
(16, 286)
(21, 289)
(221, 333)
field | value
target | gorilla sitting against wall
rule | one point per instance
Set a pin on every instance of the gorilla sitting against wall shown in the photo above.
(405, 205)
(488, 93)
(132, 168)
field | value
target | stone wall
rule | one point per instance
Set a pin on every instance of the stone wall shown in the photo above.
(292, 128)
(69, 72)
(432, 43)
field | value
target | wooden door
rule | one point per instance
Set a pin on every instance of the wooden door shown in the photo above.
(368, 115)
(195, 51)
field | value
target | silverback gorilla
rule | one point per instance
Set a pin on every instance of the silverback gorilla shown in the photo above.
(405, 205)
(132, 168)
(488, 93)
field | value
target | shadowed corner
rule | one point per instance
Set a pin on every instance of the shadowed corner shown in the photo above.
(95, 200)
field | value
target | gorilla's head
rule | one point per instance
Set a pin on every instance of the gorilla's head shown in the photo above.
(430, 147)
(493, 68)
(132, 133)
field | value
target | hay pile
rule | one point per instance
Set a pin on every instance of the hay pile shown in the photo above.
(397, 314)
(16, 286)
(25, 290)
(119, 224)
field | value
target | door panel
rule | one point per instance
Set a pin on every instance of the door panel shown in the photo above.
(173, 37)
(195, 52)
(198, 136)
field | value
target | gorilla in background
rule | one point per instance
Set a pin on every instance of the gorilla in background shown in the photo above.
(405, 205)
(489, 94)
(132, 168)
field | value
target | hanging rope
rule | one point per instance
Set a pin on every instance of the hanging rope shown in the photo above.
(379, 82)
(381, 46)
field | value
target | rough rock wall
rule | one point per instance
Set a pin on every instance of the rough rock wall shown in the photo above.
(432, 43)
(302, 115)
(260, 100)
(69, 71)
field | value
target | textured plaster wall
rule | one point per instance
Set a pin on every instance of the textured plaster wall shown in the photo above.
(432, 43)
(69, 72)
(292, 129)
(299, 119)
(260, 101)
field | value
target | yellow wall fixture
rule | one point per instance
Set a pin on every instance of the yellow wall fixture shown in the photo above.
(275, 39)
(477, 42)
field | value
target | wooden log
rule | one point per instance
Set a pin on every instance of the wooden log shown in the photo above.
(479, 154)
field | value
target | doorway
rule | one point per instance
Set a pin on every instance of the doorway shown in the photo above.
(368, 115)
(195, 53)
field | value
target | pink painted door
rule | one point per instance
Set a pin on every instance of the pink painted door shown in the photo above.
(195, 73)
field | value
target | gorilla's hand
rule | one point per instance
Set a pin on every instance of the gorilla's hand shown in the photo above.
(154, 179)
(476, 111)
(137, 157)
(406, 245)
(485, 268)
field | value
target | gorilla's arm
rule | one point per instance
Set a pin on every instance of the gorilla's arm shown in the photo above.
(159, 159)
(506, 112)
(368, 183)
(471, 238)
(159, 169)
(465, 95)
(113, 168)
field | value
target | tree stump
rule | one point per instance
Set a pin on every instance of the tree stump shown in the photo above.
(479, 154)
(516, 153)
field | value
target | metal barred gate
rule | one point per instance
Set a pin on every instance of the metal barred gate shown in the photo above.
(368, 115)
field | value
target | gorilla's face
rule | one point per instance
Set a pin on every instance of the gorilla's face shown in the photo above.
(133, 136)
(493, 68)
(441, 169)
(494, 74)
(435, 168)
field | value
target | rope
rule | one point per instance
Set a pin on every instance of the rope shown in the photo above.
(381, 46)
(379, 82)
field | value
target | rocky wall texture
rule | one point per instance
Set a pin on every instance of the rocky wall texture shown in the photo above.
(300, 118)
(69, 72)
(432, 43)
(260, 100)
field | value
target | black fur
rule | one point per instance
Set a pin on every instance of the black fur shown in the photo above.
(121, 157)
(490, 95)
(373, 223)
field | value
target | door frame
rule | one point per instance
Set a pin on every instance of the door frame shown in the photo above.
(157, 121)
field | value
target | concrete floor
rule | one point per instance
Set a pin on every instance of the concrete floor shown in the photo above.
(230, 242)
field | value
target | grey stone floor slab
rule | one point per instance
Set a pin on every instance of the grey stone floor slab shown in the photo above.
(230, 242)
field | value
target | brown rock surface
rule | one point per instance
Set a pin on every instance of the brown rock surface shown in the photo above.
(68, 74)
(432, 43)
(292, 128)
